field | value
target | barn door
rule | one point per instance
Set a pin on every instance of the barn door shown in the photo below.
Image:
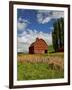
(45, 51)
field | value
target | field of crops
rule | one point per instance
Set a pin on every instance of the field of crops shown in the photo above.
(40, 66)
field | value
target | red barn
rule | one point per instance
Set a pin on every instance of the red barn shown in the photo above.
(39, 46)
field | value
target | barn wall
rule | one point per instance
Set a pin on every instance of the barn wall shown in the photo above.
(39, 51)
(31, 50)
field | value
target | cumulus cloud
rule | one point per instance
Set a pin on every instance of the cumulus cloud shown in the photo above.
(44, 16)
(29, 36)
(21, 24)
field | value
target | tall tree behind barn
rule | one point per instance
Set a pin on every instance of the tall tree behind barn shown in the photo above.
(58, 35)
(39, 46)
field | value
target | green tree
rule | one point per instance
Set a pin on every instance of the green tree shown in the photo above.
(58, 34)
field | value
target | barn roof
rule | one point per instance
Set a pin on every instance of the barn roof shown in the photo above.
(32, 44)
(37, 40)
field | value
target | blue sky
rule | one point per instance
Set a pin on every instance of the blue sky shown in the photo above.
(31, 16)
(35, 23)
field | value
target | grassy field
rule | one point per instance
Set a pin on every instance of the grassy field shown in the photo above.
(50, 48)
(40, 66)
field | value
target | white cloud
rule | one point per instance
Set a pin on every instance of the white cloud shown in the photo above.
(21, 24)
(45, 16)
(29, 36)
(58, 14)
(46, 20)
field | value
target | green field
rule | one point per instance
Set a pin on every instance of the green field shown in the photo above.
(50, 48)
(29, 71)
(40, 66)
